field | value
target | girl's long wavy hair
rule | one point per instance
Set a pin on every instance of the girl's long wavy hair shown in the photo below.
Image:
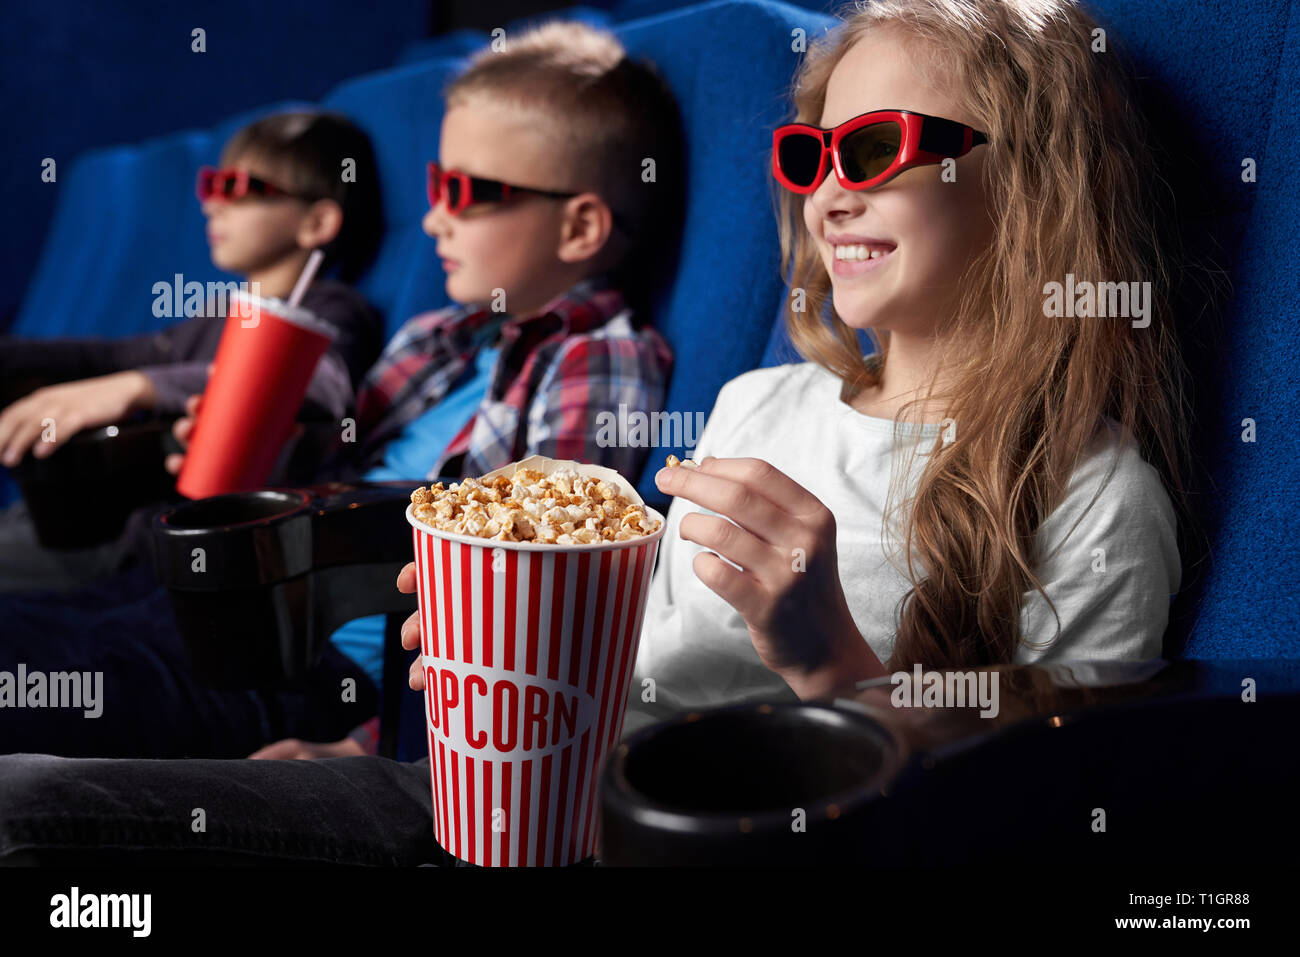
(1071, 176)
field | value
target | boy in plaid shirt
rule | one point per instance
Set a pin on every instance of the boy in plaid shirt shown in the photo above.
(537, 204)
(552, 373)
(555, 204)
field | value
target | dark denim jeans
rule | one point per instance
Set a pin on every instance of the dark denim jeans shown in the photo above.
(26, 565)
(370, 811)
(94, 812)
(150, 703)
(364, 811)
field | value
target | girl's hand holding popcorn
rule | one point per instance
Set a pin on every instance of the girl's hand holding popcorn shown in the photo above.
(787, 588)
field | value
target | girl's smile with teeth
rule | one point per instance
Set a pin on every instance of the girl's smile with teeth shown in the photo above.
(860, 252)
(852, 259)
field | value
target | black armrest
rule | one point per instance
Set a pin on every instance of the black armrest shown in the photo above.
(121, 464)
(1155, 744)
(260, 580)
(314, 453)
(15, 385)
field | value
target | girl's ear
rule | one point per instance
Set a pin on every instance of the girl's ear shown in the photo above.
(322, 222)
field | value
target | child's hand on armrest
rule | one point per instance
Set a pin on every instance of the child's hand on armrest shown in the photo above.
(47, 418)
(292, 749)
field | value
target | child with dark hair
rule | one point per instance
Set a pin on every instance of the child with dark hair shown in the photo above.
(288, 184)
(321, 155)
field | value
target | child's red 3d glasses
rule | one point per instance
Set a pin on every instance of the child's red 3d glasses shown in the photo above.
(232, 184)
(867, 150)
(462, 190)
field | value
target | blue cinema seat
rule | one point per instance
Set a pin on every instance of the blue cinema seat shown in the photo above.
(1244, 602)
(467, 41)
(401, 110)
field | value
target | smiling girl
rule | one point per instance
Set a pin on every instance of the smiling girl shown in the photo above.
(992, 485)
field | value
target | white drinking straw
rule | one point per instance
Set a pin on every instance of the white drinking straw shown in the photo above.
(308, 272)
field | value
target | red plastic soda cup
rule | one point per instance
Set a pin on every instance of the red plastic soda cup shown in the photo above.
(528, 652)
(266, 357)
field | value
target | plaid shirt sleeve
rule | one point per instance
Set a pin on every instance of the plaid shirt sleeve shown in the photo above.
(576, 410)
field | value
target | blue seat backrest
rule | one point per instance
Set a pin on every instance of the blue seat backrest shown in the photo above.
(730, 65)
(464, 42)
(127, 218)
(1246, 602)
(401, 110)
(453, 43)
(643, 9)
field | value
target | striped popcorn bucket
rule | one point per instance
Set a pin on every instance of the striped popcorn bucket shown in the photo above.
(528, 652)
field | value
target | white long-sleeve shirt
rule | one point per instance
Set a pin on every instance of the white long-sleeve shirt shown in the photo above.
(1110, 566)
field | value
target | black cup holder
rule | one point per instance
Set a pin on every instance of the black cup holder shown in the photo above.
(122, 463)
(230, 511)
(726, 786)
(260, 580)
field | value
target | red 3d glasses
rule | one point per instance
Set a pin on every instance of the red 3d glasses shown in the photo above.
(462, 190)
(867, 150)
(232, 184)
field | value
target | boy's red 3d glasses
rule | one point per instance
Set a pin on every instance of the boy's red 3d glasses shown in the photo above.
(463, 190)
(867, 150)
(232, 184)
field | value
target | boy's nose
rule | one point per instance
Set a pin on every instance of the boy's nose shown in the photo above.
(434, 222)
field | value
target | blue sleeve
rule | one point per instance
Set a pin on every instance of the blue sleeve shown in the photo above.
(362, 640)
